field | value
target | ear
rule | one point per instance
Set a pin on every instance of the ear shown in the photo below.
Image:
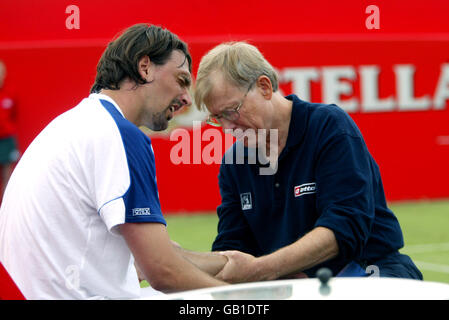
(145, 68)
(263, 84)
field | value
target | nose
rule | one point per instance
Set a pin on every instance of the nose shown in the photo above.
(186, 99)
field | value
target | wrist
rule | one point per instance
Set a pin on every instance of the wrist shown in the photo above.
(265, 269)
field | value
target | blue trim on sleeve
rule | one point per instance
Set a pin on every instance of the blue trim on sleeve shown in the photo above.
(98, 212)
(141, 199)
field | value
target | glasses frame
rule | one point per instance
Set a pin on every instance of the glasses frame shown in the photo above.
(215, 120)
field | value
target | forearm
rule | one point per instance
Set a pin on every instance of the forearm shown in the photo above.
(315, 247)
(184, 275)
(161, 265)
(209, 262)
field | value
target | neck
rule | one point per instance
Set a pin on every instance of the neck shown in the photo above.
(127, 100)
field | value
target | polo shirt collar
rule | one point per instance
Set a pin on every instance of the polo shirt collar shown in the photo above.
(298, 123)
(101, 96)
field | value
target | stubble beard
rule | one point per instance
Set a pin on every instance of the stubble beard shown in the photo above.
(157, 121)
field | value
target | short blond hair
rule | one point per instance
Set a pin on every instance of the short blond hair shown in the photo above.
(240, 63)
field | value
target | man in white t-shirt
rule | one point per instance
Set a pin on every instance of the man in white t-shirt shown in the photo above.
(82, 208)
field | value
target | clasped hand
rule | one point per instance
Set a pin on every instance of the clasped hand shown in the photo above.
(240, 267)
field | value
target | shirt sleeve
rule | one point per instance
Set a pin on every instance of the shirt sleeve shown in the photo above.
(234, 233)
(125, 178)
(345, 193)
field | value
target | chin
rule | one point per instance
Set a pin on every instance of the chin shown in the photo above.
(162, 127)
(248, 144)
(158, 126)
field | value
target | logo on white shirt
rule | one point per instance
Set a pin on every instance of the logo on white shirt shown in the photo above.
(306, 188)
(141, 212)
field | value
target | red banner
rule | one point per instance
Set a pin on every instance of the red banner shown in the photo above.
(396, 91)
(393, 80)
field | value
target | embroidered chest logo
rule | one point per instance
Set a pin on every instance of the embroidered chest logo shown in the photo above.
(141, 212)
(245, 199)
(306, 188)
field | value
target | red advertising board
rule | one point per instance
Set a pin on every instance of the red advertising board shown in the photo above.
(396, 91)
(393, 80)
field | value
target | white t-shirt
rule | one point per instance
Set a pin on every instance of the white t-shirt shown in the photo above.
(87, 172)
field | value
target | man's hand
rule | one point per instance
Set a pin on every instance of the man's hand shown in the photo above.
(315, 247)
(241, 267)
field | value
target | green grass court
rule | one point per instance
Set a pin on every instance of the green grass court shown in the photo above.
(425, 226)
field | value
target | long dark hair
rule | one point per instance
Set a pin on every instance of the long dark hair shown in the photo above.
(121, 57)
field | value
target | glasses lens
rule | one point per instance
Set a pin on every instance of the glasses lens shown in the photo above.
(231, 115)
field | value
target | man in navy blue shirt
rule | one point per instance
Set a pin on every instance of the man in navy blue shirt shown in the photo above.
(323, 205)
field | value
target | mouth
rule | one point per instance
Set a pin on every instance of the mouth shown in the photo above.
(173, 108)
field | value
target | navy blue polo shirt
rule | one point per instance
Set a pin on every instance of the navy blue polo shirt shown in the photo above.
(325, 177)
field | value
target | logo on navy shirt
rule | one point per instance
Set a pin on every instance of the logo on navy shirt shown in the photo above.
(141, 212)
(245, 199)
(306, 188)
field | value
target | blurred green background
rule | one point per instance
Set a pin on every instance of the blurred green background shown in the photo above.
(425, 225)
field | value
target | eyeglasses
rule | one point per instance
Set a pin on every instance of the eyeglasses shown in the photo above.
(230, 114)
